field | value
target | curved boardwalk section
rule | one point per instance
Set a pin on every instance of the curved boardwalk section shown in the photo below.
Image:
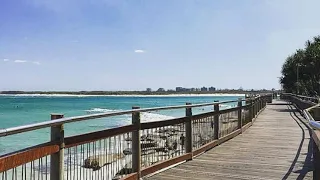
(277, 146)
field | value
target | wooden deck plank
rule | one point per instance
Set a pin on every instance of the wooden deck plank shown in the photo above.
(277, 146)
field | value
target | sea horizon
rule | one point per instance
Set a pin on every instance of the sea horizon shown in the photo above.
(128, 95)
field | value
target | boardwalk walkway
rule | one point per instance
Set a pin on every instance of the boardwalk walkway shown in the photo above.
(277, 146)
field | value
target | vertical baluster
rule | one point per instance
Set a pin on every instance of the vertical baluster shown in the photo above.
(189, 130)
(240, 114)
(216, 120)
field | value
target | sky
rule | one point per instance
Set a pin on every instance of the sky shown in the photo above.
(74, 45)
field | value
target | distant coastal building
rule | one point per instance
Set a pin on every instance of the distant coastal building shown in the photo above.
(161, 90)
(212, 89)
(180, 89)
(204, 89)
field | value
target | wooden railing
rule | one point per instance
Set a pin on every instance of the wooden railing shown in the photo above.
(309, 107)
(127, 152)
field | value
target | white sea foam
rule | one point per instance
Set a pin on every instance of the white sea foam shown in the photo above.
(151, 117)
(145, 116)
(100, 110)
(168, 95)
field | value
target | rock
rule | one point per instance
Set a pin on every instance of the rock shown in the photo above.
(143, 137)
(161, 149)
(98, 161)
(171, 144)
(147, 152)
(145, 145)
(127, 151)
(168, 130)
(153, 137)
(163, 136)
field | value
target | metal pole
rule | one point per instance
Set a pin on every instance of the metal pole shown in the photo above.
(188, 127)
(240, 114)
(216, 121)
(298, 79)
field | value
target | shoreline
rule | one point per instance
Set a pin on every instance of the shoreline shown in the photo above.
(126, 95)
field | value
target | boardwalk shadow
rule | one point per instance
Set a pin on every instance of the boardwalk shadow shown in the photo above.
(307, 163)
(286, 110)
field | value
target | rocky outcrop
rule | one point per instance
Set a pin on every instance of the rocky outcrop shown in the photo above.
(98, 161)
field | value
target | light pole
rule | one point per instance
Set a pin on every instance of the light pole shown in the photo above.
(298, 65)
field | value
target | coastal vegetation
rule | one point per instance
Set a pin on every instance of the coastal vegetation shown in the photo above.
(301, 70)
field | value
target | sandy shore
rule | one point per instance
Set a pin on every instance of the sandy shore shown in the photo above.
(167, 95)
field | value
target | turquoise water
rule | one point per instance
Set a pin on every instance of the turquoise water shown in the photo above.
(22, 110)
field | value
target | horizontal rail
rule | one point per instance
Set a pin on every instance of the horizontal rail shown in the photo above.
(24, 156)
(169, 122)
(35, 126)
(187, 125)
(161, 165)
(314, 124)
(90, 137)
(301, 96)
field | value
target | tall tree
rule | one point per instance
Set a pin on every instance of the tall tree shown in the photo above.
(301, 70)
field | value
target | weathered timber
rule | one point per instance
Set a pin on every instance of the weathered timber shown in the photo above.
(277, 146)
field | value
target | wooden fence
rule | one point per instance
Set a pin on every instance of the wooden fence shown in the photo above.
(309, 108)
(127, 152)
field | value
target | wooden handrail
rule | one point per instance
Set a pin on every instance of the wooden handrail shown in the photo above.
(22, 157)
(15, 159)
(305, 107)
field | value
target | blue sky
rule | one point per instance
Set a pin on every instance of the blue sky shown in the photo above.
(131, 45)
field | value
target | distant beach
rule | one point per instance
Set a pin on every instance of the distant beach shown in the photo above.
(125, 95)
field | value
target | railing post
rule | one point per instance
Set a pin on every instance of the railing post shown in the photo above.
(216, 121)
(258, 105)
(188, 127)
(254, 107)
(136, 147)
(316, 161)
(240, 114)
(57, 159)
(261, 106)
(250, 110)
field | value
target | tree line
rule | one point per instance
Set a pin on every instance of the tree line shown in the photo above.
(301, 70)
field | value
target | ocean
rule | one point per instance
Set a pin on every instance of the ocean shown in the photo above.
(17, 110)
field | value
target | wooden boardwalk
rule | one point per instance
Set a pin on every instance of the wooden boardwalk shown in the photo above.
(277, 146)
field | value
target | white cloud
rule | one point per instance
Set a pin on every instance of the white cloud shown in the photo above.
(139, 51)
(36, 62)
(5, 60)
(20, 61)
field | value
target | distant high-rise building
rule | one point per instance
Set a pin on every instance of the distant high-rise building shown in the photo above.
(161, 90)
(212, 89)
(179, 89)
(204, 89)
